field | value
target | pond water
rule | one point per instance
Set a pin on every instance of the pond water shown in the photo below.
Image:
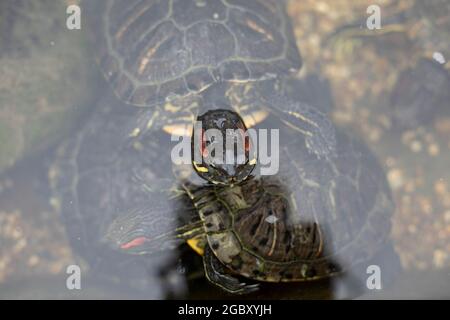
(68, 169)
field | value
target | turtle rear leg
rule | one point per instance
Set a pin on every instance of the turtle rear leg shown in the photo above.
(215, 273)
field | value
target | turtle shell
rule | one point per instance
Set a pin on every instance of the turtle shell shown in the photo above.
(314, 219)
(152, 51)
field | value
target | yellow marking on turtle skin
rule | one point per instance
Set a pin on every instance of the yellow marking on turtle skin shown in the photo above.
(447, 66)
(169, 107)
(270, 279)
(252, 162)
(319, 252)
(274, 240)
(238, 81)
(332, 199)
(293, 205)
(199, 168)
(254, 118)
(178, 129)
(306, 133)
(247, 88)
(138, 146)
(255, 27)
(135, 132)
(300, 116)
(303, 270)
(188, 119)
(152, 119)
(55, 203)
(200, 3)
(196, 245)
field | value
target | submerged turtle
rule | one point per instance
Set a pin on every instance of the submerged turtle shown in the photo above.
(99, 180)
(96, 178)
(313, 219)
(173, 57)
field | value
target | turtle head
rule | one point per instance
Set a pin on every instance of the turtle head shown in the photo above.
(144, 230)
(222, 149)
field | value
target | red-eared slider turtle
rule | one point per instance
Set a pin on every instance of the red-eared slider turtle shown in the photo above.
(170, 56)
(97, 178)
(313, 219)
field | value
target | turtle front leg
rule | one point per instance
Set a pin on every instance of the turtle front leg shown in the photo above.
(317, 128)
(174, 117)
(215, 273)
(313, 124)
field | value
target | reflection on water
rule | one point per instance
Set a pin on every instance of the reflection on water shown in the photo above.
(57, 206)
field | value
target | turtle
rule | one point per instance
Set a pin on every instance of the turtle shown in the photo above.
(315, 218)
(170, 59)
(96, 178)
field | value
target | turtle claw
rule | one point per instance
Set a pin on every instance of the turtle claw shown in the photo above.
(248, 288)
(215, 273)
